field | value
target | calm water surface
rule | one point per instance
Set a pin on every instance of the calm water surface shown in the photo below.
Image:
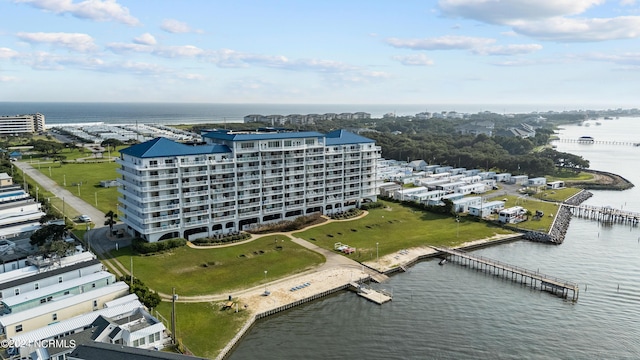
(451, 312)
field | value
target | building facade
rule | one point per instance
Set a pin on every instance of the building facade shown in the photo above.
(21, 124)
(240, 179)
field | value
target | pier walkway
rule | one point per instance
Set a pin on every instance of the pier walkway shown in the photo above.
(528, 277)
(606, 214)
(598, 142)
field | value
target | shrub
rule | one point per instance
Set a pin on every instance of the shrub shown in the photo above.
(141, 246)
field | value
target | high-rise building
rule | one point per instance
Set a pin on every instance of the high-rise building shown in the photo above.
(20, 124)
(239, 179)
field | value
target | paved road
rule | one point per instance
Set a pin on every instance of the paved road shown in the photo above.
(99, 238)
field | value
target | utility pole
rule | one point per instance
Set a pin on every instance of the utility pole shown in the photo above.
(173, 316)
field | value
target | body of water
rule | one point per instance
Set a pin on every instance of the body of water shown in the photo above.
(177, 113)
(451, 312)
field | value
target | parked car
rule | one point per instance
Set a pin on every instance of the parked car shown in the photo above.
(84, 218)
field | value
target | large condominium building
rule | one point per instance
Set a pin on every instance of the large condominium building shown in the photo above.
(240, 179)
(20, 124)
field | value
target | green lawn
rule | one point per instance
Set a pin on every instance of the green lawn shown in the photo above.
(204, 327)
(570, 176)
(544, 223)
(84, 178)
(220, 270)
(398, 227)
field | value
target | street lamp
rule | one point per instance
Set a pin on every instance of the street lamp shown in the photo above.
(457, 226)
(78, 189)
(377, 257)
(37, 188)
(64, 179)
(265, 283)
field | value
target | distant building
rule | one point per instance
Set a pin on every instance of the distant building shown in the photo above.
(21, 124)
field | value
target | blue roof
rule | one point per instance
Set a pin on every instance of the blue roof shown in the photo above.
(246, 136)
(163, 147)
(342, 137)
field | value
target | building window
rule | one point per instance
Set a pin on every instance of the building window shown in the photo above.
(93, 285)
(59, 279)
(274, 144)
(136, 343)
(142, 341)
(157, 336)
(43, 300)
(310, 141)
(36, 286)
(66, 292)
(287, 143)
(95, 303)
(18, 328)
(54, 316)
(247, 145)
(17, 291)
(151, 338)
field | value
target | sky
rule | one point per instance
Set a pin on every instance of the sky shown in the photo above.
(555, 52)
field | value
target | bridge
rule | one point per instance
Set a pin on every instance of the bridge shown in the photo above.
(532, 278)
(599, 142)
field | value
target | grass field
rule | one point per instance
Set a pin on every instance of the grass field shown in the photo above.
(397, 227)
(220, 270)
(205, 328)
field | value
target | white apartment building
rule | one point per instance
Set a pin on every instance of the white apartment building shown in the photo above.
(239, 179)
(20, 124)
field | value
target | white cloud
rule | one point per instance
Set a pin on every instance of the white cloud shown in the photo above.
(178, 51)
(517, 49)
(98, 10)
(177, 27)
(414, 60)
(145, 39)
(627, 2)
(74, 41)
(506, 11)
(450, 42)
(127, 47)
(6, 53)
(581, 30)
(198, 77)
(4, 78)
(626, 59)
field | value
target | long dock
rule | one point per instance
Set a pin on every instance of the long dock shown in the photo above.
(532, 278)
(605, 214)
(598, 142)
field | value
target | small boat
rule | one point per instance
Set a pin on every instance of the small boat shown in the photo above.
(442, 262)
(586, 139)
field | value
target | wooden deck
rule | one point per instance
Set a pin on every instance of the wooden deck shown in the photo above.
(528, 277)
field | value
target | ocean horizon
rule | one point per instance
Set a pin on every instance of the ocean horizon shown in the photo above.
(194, 113)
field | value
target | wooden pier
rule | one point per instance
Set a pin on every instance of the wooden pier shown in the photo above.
(599, 142)
(606, 214)
(532, 278)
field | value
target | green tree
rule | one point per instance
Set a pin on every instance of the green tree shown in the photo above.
(47, 234)
(110, 215)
